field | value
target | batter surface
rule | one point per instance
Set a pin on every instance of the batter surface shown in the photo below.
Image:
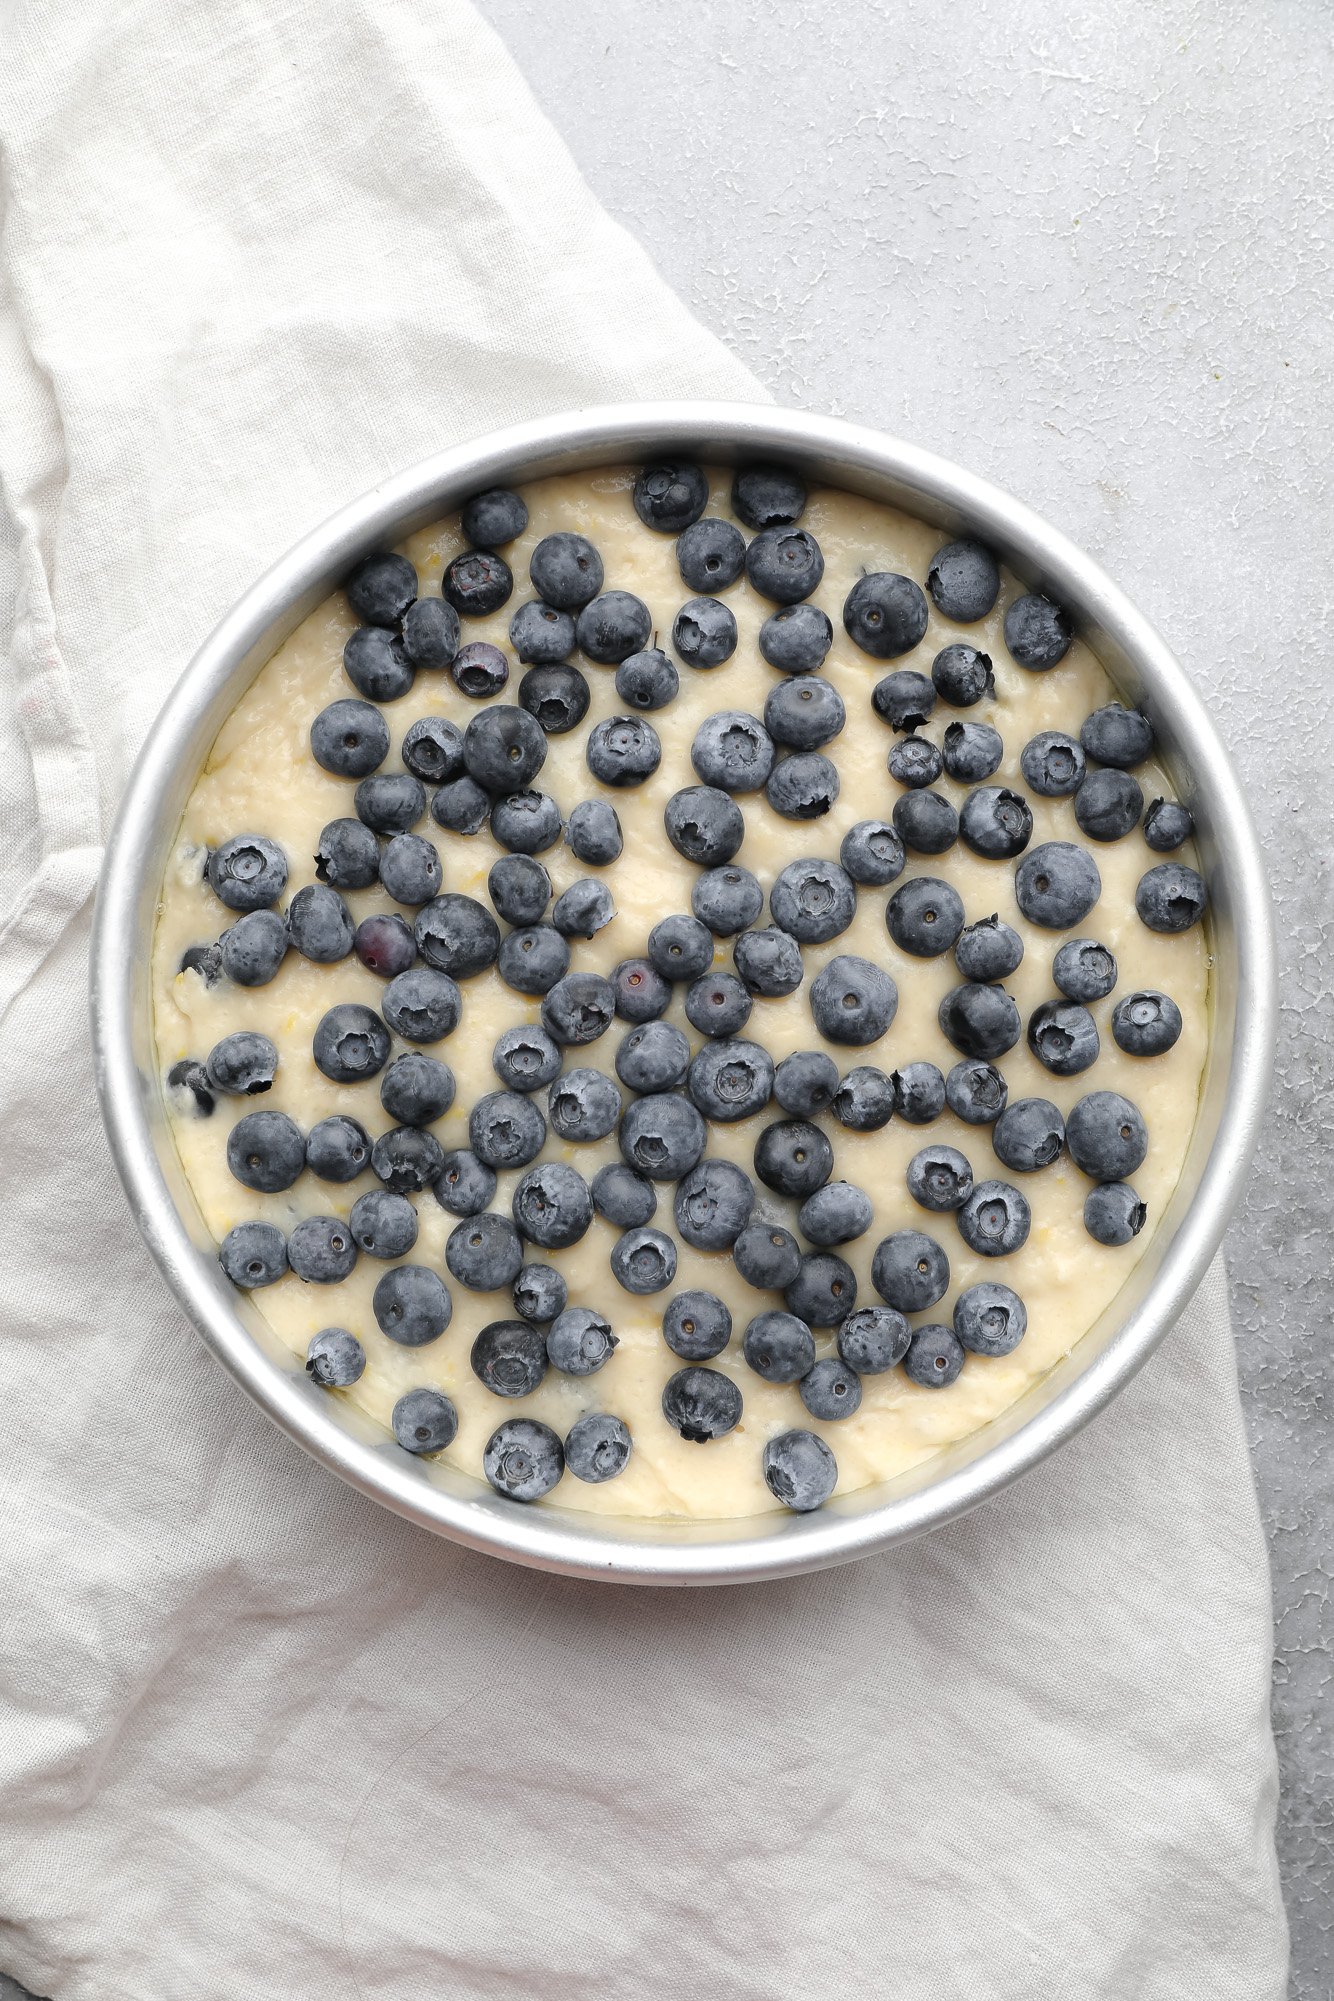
(260, 777)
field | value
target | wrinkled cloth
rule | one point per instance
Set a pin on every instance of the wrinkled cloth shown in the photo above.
(257, 1735)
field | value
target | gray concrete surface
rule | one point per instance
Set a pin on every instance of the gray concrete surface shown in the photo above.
(1088, 251)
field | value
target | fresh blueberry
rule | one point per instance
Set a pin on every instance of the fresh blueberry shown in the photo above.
(662, 1136)
(696, 1326)
(727, 899)
(1113, 1213)
(1064, 1037)
(253, 1254)
(1146, 1024)
(670, 496)
(732, 751)
(1053, 764)
(321, 1250)
(1028, 1135)
(335, 1359)
(653, 1057)
(583, 1106)
(805, 1082)
(640, 993)
(904, 699)
(416, 1090)
(623, 750)
(491, 519)
(597, 1447)
(523, 1459)
(704, 633)
(556, 696)
(541, 635)
(506, 1129)
(872, 853)
(623, 1197)
(431, 633)
(885, 614)
(996, 822)
(799, 1470)
(520, 889)
(381, 589)
(963, 676)
(248, 872)
(731, 1079)
(964, 581)
(940, 1178)
(410, 869)
(457, 935)
(1171, 897)
(350, 1043)
(338, 1148)
(350, 739)
(383, 1225)
(710, 554)
(831, 1389)
(713, 1204)
(613, 626)
(527, 823)
(804, 713)
(347, 855)
(407, 1160)
(539, 1294)
(552, 1206)
(390, 802)
(206, 960)
(702, 1404)
(243, 1064)
(914, 761)
(864, 1100)
(424, 1421)
(584, 909)
(384, 943)
(525, 1058)
(803, 786)
(319, 924)
(796, 639)
(910, 1271)
(989, 1319)
(779, 1347)
(813, 900)
(504, 748)
(971, 751)
(680, 948)
(784, 564)
(1106, 1135)
(767, 496)
(824, 1291)
(1167, 826)
(835, 1214)
(644, 1261)
(919, 1093)
(934, 1357)
(376, 663)
(483, 1251)
(422, 1005)
(464, 1186)
(1117, 736)
(509, 1358)
(874, 1340)
(704, 824)
(980, 1020)
(254, 947)
(925, 822)
(718, 1004)
(994, 1220)
(1056, 885)
(768, 962)
(767, 1257)
(461, 806)
(594, 833)
(648, 680)
(976, 1092)
(988, 950)
(1109, 805)
(534, 960)
(925, 917)
(477, 583)
(265, 1151)
(1037, 632)
(853, 1001)
(1084, 970)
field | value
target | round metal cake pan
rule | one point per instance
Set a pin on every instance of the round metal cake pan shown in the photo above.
(548, 1537)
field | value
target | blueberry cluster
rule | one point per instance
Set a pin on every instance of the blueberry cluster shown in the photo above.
(663, 1098)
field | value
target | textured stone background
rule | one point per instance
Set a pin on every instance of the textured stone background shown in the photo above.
(1088, 251)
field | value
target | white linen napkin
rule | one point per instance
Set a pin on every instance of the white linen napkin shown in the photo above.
(261, 1737)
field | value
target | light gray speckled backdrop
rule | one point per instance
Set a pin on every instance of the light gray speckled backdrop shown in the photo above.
(1088, 251)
